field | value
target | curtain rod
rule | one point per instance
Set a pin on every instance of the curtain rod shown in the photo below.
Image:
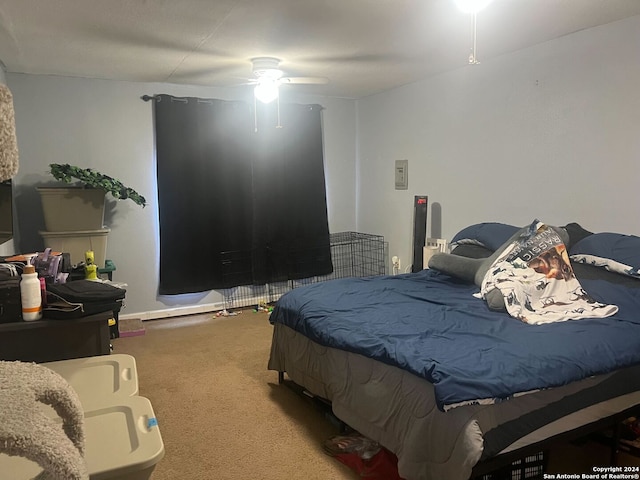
(157, 98)
(148, 98)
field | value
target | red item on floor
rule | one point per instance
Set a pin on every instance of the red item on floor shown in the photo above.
(382, 466)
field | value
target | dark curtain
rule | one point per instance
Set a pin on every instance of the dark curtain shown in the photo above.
(236, 206)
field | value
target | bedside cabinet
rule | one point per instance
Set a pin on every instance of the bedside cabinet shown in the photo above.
(51, 340)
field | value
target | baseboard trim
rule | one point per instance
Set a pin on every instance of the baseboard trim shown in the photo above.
(195, 309)
(174, 312)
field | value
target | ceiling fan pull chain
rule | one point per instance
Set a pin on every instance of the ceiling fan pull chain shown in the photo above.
(473, 57)
(278, 125)
(255, 115)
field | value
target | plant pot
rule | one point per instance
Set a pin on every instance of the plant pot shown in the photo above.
(77, 242)
(72, 208)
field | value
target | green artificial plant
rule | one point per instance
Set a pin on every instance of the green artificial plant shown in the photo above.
(90, 178)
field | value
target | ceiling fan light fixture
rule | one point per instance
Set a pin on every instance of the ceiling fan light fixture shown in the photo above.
(471, 6)
(269, 77)
(269, 73)
(266, 67)
(266, 90)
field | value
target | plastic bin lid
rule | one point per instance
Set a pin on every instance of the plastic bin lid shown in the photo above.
(96, 379)
(121, 439)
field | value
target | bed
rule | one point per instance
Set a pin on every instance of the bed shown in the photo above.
(455, 389)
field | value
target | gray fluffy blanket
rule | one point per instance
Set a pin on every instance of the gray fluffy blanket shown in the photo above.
(26, 431)
(8, 140)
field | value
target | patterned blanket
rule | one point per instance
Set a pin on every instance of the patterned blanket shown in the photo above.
(536, 279)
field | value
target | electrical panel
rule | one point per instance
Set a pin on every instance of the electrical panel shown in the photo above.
(402, 174)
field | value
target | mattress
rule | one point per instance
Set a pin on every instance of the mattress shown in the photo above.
(398, 409)
(433, 326)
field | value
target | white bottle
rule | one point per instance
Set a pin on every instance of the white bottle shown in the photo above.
(30, 294)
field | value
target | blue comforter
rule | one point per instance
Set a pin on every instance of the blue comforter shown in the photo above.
(431, 325)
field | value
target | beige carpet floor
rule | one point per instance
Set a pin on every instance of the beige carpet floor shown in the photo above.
(223, 415)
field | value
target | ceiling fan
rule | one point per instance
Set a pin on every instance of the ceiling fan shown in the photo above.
(269, 77)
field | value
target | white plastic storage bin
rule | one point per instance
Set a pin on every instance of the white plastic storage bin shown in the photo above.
(96, 379)
(122, 440)
(76, 243)
(72, 208)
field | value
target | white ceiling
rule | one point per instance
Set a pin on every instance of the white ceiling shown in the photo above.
(361, 46)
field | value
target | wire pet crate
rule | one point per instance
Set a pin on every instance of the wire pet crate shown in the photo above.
(353, 254)
(356, 255)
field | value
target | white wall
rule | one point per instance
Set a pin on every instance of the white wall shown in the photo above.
(547, 132)
(550, 132)
(105, 125)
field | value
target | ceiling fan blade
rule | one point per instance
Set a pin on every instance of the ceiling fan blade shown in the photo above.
(305, 80)
(351, 58)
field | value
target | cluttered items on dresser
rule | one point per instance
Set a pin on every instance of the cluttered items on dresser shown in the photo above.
(10, 305)
(43, 285)
(80, 298)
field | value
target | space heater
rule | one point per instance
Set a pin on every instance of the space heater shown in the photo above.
(419, 231)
